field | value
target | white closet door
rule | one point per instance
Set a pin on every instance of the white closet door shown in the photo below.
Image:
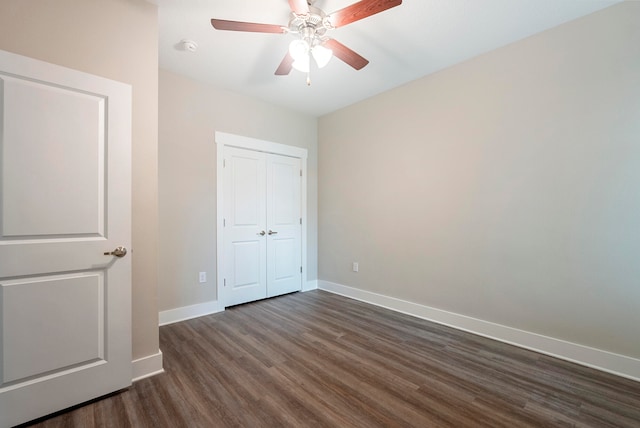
(262, 239)
(284, 249)
(245, 254)
(65, 177)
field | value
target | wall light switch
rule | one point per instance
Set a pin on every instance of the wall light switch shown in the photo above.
(202, 277)
(355, 266)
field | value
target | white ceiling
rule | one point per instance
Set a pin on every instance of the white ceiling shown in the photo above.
(402, 44)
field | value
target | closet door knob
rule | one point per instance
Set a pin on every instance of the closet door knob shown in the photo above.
(271, 232)
(262, 233)
(118, 252)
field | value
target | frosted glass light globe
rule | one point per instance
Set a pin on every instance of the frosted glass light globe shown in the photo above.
(301, 64)
(298, 49)
(322, 55)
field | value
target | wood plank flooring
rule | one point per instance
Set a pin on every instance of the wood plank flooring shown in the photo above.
(320, 360)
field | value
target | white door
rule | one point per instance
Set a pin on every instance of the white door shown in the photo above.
(65, 305)
(284, 250)
(262, 225)
(245, 243)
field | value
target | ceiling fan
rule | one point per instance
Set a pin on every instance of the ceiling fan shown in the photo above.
(311, 25)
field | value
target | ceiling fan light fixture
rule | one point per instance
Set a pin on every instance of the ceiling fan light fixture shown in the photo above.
(321, 55)
(301, 64)
(311, 24)
(299, 49)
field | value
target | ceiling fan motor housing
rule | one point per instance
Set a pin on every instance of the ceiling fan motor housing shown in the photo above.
(311, 26)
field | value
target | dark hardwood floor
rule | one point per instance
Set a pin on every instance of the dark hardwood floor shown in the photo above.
(318, 359)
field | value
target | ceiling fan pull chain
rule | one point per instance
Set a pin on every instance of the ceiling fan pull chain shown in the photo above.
(309, 77)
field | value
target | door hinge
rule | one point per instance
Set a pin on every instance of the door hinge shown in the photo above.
(300, 220)
(300, 269)
(300, 173)
(224, 222)
(224, 163)
(224, 282)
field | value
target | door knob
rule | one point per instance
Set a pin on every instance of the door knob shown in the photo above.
(118, 252)
(271, 232)
(262, 233)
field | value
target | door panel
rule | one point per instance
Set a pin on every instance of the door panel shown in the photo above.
(284, 265)
(36, 164)
(284, 245)
(247, 191)
(245, 249)
(284, 186)
(246, 266)
(65, 201)
(74, 301)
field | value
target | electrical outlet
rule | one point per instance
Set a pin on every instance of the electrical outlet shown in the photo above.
(202, 277)
(355, 266)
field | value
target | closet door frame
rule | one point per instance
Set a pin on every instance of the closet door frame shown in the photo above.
(223, 139)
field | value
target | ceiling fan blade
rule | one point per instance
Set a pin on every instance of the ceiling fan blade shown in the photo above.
(299, 7)
(361, 10)
(345, 54)
(221, 24)
(285, 66)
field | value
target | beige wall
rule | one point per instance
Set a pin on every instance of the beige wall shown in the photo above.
(506, 188)
(117, 39)
(190, 114)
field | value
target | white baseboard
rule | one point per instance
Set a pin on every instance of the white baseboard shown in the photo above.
(188, 312)
(617, 364)
(310, 285)
(148, 366)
